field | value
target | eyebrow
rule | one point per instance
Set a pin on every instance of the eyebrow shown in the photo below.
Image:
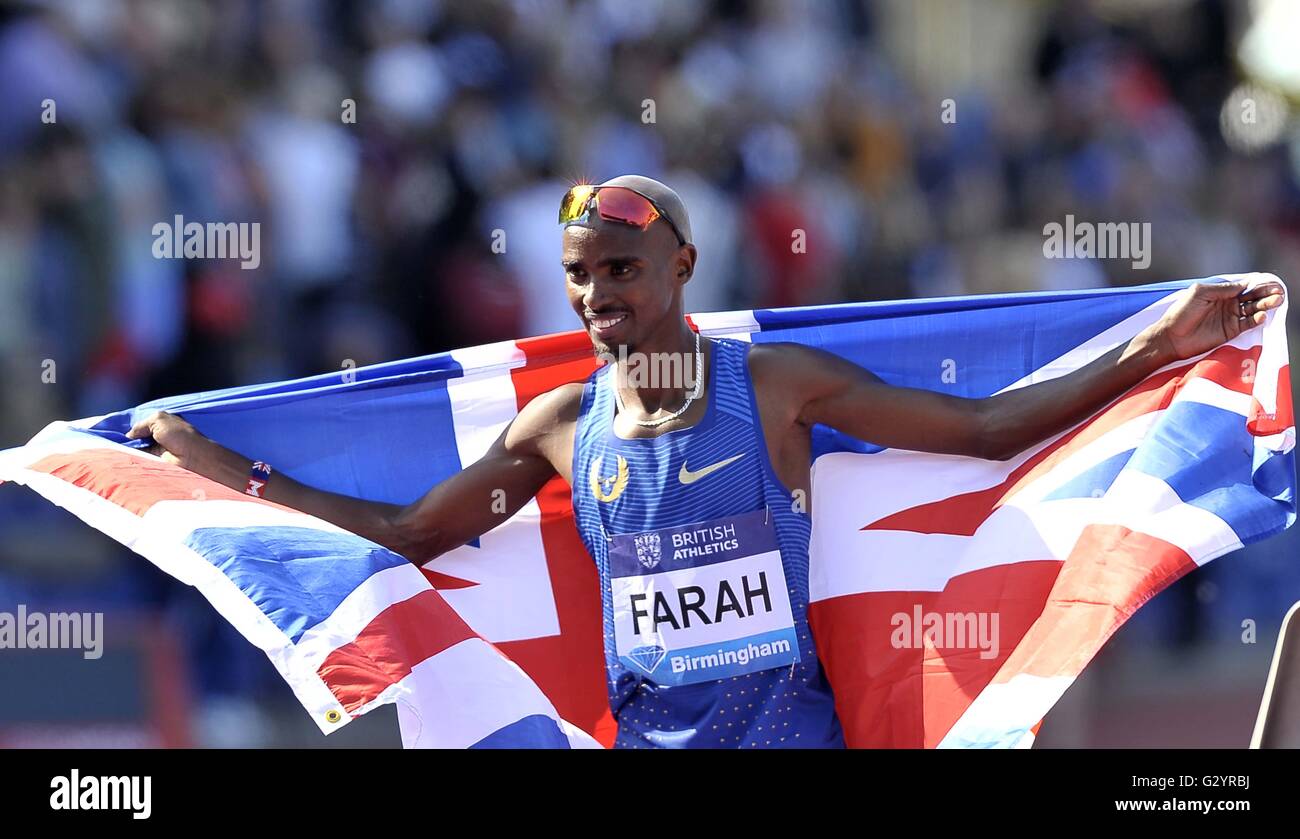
(609, 260)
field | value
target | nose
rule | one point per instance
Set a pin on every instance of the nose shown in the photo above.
(595, 295)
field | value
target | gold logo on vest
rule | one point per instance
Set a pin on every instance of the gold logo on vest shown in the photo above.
(688, 477)
(611, 487)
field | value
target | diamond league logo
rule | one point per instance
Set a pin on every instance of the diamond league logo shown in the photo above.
(647, 549)
(648, 656)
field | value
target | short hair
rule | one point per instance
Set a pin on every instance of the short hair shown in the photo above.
(668, 201)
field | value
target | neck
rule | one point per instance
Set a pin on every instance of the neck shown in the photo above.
(659, 375)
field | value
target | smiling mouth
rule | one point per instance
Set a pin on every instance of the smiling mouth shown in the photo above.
(603, 322)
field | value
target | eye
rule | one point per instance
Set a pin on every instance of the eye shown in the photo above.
(574, 273)
(620, 269)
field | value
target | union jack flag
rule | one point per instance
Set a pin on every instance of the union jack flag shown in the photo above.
(498, 643)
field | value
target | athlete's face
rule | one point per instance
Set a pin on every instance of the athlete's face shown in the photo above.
(625, 283)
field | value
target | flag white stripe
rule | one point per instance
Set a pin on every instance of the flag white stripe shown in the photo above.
(513, 599)
(192, 569)
(1098, 345)
(847, 560)
(735, 325)
(486, 686)
(177, 519)
(363, 604)
(464, 694)
(1004, 713)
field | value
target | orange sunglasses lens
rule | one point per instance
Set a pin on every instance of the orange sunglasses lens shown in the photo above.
(615, 203)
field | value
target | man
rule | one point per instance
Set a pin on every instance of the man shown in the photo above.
(691, 495)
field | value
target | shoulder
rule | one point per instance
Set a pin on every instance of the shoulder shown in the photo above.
(796, 372)
(543, 429)
(785, 362)
(548, 415)
(559, 405)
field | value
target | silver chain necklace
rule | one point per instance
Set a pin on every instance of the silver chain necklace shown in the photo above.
(694, 394)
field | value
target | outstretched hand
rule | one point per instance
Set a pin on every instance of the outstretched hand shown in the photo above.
(174, 439)
(1209, 314)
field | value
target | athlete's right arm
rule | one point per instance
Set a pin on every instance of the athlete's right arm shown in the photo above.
(537, 445)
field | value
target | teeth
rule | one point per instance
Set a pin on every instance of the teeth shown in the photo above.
(606, 323)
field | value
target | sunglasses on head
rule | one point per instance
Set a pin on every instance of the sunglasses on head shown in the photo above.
(613, 203)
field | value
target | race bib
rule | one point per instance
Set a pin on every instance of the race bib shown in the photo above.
(702, 601)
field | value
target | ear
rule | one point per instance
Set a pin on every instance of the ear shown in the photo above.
(685, 267)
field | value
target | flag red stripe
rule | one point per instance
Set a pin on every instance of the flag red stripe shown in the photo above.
(402, 635)
(569, 667)
(133, 482)
(890, 693)
(1110, 572)
(962, 515)
(1052, 616)
(446, 582)
(1262, 424)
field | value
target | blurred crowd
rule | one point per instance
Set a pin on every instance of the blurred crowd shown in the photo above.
(405, 159)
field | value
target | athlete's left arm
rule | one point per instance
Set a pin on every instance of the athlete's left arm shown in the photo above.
(830, 390)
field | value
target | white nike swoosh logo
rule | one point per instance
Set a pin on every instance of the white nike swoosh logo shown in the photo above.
(686, 476)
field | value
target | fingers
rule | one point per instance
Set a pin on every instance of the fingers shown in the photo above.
(1248, 308)
(1245, 322)
(140, 430)
(1243, 289)
(1264, 289)
(144, 428)
(1263, 304)
(1222, 290)
(1254, 303)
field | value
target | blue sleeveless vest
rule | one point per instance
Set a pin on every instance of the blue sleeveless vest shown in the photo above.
(688, 502)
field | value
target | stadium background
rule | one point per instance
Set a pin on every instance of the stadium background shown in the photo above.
(472, 118)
